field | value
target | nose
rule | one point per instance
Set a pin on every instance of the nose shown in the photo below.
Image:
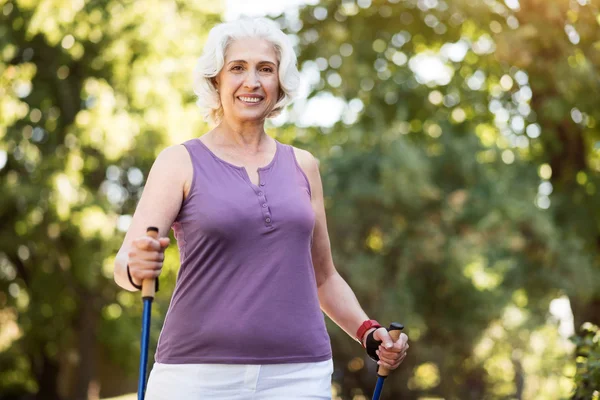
(252, 80)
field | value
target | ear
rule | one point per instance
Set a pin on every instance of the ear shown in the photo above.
(215, 83)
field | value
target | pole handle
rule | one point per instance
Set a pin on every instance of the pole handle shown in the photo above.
(394, 330)
(149, 285)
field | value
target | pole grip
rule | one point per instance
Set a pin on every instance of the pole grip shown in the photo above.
(149, 285)
(394, 330)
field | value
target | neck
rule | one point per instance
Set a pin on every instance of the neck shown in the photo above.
(250, 136)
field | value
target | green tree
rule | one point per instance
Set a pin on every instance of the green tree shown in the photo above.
(557, 46)
(91, 91)
(588, 367)
(439, 186)
(461, 202)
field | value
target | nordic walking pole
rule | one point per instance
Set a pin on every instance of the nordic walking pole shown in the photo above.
(382, 373)
(148, 291)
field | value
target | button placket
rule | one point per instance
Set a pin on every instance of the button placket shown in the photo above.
(264, 204)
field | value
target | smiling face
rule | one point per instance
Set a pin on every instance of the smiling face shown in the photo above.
(248, 83)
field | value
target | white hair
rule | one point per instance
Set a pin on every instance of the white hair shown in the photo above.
(213, 57)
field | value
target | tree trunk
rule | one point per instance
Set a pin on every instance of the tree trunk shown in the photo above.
(47, 379)
(86, 371)
(585, 311)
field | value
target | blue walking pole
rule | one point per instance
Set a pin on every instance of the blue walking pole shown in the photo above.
(148, 291)
(382, 373)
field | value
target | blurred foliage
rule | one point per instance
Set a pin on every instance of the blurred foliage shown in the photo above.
(460, 182)
(588, 362)
(90, 91)
(460, 178)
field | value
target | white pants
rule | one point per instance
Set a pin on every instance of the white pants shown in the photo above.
(299, 381)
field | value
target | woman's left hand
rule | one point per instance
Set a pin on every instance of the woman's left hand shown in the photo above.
(391, 354)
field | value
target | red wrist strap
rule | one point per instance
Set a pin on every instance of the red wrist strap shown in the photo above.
(364, 327)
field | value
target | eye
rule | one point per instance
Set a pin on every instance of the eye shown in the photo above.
(236, 68)
(267, 69)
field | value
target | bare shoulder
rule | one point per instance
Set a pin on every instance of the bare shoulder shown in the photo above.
(173, 159)
(308, 162)
(173, 164)
(310, 166)
(173, 153)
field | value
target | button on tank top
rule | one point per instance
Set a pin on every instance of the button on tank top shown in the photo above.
(246, 290)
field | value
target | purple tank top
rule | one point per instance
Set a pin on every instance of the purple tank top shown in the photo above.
(246, 290)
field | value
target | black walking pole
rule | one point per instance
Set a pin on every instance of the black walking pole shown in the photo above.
(148, 291)
(382, 373)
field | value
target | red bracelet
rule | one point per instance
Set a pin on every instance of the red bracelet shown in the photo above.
(364, 327)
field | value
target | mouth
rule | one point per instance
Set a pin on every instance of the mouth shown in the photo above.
(250, 99)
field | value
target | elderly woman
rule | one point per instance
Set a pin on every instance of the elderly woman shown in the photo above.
(245, 319)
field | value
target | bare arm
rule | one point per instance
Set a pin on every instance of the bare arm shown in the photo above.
(167, 184)
(336, 297)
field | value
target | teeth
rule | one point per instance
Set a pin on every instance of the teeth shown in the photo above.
(250, 99)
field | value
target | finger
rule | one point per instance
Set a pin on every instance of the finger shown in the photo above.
(146, 243)
(383, 359)
(386, 365)
(158, 256)
(142, 265)
(391, 364)
(164, 242)
(401, 346)
(146, 274)
(145, 269)
(396, 348)
(399, 359)
(391, 360)
(383, 335)
(393, 353)
(403, 339)
(145, 255)
(397, 363)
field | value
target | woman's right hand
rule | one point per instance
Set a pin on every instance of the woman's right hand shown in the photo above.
(145, 257)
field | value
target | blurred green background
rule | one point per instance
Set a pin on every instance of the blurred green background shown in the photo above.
(459, 144)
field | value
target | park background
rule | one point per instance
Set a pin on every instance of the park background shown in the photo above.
(459, 144)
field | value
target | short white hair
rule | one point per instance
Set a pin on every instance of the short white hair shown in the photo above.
(213, 58)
